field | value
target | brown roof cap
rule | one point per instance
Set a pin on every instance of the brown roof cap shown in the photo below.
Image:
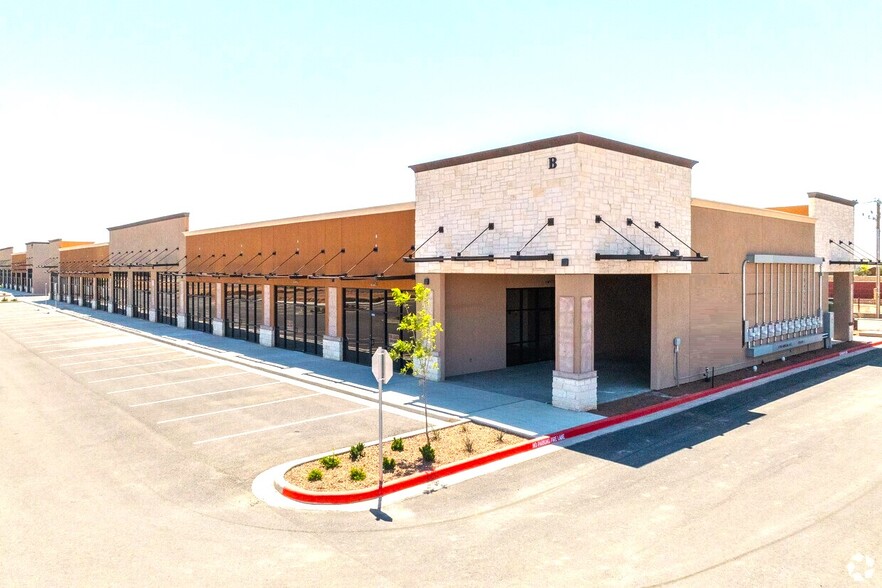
(836, 199)
(150, 220)
(572, 138)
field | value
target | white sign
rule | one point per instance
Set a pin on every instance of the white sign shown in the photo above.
(381, 365)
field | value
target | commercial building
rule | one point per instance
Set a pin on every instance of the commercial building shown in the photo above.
(585, 258)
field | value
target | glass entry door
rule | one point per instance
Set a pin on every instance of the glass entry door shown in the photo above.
(529, 325)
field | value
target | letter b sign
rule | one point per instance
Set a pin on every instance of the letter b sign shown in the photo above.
(552, 162)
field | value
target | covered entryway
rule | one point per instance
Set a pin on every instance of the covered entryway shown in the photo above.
(622, 336)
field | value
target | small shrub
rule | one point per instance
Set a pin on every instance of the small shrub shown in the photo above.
(357, 474)
(397, 444)
(388, 464)
(356, 451)
(500, 435)
(314, 475)
(469, 444)
(329, 462)
(428, 453)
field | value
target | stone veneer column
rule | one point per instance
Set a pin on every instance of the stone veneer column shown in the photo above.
(267, 333)
(130, 294)
(332, 342)
(217, 323)
(843, 303)
(182, 304)
(574, 381)
(436, 283)
(154, 297)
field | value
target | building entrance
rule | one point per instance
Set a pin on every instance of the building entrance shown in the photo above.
(622, 334)
(529, 325)
(370, 320)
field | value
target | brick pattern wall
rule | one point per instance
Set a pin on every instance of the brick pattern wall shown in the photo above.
(519, 192)
(833, 221)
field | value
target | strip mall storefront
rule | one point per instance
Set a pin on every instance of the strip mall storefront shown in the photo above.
(585, 260)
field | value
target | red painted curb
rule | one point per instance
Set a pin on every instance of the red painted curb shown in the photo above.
(409, 482)
(350, 497)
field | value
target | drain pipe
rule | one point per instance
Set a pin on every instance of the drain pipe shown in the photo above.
(677, 360)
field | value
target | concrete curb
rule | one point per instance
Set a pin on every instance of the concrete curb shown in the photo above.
(565, 437)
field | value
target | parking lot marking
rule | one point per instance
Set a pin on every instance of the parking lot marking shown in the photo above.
(201, 394)
(131, 365)
(195, 367)
(205, 414)
(282, 426)
(92, 352)
(172, 383)
(117, 358)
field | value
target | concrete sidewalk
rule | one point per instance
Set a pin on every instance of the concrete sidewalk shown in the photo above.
(456, 399)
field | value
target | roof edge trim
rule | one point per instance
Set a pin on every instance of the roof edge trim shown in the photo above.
(560, 140)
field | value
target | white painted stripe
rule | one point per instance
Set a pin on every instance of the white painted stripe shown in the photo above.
(117, 358)
(67, 344)
(131, 365)
(205, 414)
(195, 367)
(172, 383)
(274, 427)
(92, 352)
(202, 394)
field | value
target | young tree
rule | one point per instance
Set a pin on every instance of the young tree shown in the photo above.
(418, 340)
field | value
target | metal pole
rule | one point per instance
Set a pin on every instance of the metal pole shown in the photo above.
(878, 211)
(380, 445)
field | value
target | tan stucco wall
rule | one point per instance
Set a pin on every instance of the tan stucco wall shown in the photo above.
(474, 332)
(671, 307)
(726, 235)
(577, 287)
(160, 234)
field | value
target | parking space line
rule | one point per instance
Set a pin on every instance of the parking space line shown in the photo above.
(131, 365)
(92, 351)
(172, 383)
(117, 358)
(204, 414)
(282, 426)
(66, 344)
(195, 367)
(201, 394)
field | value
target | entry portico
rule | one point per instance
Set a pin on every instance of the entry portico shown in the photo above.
(503, 229)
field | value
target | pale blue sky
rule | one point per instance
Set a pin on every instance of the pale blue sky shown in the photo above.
(112, 112)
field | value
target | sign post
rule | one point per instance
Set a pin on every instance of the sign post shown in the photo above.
(381, 366)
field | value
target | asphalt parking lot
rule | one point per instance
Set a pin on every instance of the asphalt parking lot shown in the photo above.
(240, 420)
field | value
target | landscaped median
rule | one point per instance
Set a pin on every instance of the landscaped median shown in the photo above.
(302, 493)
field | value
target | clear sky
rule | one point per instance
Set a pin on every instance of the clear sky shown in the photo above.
(113, 112)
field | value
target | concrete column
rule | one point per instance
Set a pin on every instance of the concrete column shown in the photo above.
(182, 303)
(94, 293)
(574, 380)
(670, 319)
(437, 307)
(267, 332)
(152, 299)
(217, 323)
(843, 305)
(130, 294)
(332, 342)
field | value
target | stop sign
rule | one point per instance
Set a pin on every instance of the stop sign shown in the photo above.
(381, 365)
